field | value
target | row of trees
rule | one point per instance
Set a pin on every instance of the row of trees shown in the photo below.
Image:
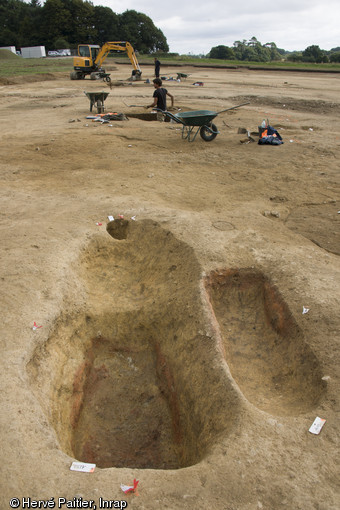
(315, 54)
(66, 23)
(254, 51)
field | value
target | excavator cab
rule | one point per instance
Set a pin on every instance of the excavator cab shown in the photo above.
(85, 62)
(85, 50)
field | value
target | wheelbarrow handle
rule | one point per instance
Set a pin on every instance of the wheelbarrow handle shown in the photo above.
(233, 107)
(173, 117)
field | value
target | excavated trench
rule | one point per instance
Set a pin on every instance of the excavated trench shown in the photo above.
(265, 350)
(136, 377)
(132, 379)
(142, 116)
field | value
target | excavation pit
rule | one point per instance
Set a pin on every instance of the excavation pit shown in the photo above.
(124, 410)
(266, 352)
(118, 229)
(147, 116)
(142, 116)
(132, 380)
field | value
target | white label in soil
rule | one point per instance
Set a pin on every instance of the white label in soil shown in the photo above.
(82, 466)
(317, 425)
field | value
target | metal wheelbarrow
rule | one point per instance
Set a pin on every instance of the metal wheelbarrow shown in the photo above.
(97, 75)
(182, 75)
(200, 119)
(97, 98)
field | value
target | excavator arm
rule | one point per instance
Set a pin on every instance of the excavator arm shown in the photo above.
(118, 46)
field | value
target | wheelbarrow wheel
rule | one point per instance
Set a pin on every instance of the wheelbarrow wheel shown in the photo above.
(206, 134)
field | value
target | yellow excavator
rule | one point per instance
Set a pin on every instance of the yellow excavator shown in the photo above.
(90, 59)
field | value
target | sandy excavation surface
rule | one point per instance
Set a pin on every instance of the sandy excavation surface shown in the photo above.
(171, 345)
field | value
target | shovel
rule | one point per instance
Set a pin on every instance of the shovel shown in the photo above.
(134, 105)
(233, 107)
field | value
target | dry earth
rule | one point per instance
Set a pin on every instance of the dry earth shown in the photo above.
(171, 347)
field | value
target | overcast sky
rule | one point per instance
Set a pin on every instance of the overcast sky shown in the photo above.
(195, 26)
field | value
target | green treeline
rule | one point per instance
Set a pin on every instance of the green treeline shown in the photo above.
(62, 24)
(254, 51)
(66, 23)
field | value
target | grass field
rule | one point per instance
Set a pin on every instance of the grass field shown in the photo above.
(14, 65)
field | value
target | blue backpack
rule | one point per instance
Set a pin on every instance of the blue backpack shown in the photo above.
(270, 136)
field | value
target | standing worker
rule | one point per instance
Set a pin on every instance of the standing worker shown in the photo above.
(157, 67)
(159, 98)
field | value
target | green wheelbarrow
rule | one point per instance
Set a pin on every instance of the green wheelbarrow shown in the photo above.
(182, 75)
(97, 98)
(200, 119)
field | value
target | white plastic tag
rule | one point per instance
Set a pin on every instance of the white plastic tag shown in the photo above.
(82, 466)
(317, 425)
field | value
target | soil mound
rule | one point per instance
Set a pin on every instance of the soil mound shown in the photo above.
(31, 78)
(8, 55)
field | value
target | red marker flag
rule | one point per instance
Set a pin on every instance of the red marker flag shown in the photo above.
(130, 488)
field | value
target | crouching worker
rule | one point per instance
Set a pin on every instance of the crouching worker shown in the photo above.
(159, 98)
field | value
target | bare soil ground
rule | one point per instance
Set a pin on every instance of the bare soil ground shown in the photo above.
(171, 346)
